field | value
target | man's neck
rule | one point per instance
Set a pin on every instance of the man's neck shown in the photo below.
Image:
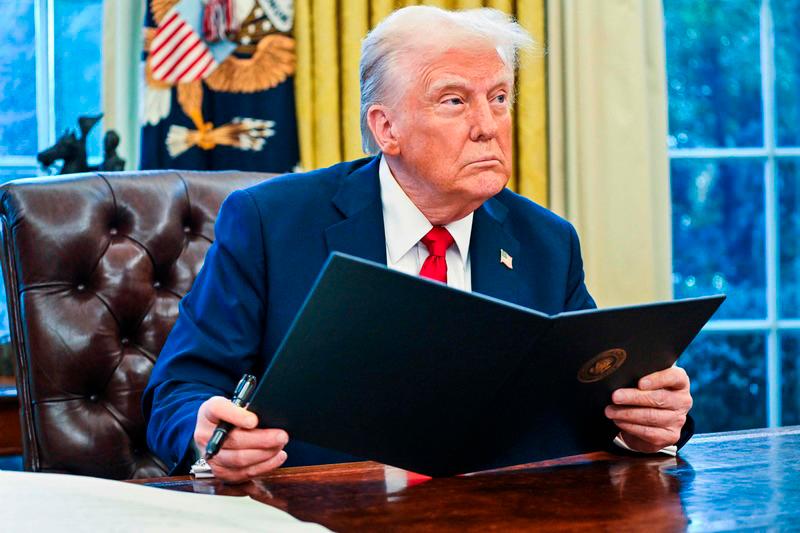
(437, 208)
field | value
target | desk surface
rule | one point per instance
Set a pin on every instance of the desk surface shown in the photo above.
(721, 481)
(10, 433)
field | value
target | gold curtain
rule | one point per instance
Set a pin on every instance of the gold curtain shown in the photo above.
(329, 37)
(608, 148)
(122, 57)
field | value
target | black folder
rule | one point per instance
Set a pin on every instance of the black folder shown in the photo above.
(409, 372)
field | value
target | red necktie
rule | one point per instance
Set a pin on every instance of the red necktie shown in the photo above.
(437, 240)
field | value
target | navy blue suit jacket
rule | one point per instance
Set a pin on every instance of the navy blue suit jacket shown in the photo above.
(271, 242)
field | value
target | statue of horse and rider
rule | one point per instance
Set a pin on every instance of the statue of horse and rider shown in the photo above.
(72, 150)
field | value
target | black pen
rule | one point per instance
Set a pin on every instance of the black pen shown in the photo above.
(241, 397)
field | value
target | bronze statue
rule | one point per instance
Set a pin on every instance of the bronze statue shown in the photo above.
(72, 149)
(111, 161)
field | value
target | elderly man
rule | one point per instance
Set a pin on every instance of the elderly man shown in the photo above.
(436, 95)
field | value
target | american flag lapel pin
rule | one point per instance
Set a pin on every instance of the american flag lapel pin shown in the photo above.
(506, 259)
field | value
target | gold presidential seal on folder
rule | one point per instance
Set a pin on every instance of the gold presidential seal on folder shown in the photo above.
(602, 365)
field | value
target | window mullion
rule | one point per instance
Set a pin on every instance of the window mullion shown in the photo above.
(770, 213)
(717, 153)
(45, 94)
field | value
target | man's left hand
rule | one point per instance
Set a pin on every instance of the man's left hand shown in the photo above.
(651, 416)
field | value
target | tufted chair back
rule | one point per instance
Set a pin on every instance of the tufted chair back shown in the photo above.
(94, 266)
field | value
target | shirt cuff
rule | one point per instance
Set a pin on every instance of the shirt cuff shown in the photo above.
(669, 450)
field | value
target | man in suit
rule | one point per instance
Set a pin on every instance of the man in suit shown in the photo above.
(437, 89)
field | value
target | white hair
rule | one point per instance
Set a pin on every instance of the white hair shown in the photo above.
(416, 28)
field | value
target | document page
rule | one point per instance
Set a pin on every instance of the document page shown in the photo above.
(58, 502)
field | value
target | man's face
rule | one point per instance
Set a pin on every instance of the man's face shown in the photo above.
(453, 129)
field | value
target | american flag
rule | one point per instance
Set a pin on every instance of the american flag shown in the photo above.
(177, 53)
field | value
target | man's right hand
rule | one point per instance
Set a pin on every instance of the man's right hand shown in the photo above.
(247, 451)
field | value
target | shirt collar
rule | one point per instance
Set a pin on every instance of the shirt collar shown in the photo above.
(405, 224)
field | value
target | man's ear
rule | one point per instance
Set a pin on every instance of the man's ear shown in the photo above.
(380, 124)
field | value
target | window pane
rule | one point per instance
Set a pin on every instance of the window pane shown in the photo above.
(713, 73)
(718, 233)
(728, 373)
(786, 16)
(790, 376)
(5, 335)
(12, 173)
(789, 237)
(77, 51)
(18, 134)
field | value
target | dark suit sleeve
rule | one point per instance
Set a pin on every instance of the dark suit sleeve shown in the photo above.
(578, 296)
(217, 334)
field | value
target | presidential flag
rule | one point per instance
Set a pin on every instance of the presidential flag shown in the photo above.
(219, 91)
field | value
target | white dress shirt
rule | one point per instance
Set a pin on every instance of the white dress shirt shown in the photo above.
(405, 225)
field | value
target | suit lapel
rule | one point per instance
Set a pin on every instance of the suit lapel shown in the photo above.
(361, 232)
(489, 238)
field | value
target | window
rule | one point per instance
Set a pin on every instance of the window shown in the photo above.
(50, 73)
(733, 71)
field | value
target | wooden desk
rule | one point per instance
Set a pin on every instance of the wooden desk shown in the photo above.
(722, 481)
(10, 433)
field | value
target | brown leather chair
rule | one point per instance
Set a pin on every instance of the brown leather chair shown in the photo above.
(94, 266)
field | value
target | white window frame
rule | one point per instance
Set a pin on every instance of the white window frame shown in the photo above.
(770, 154)
(43, 13)
(45, 96)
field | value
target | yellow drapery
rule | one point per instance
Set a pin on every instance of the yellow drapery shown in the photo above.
(122, 55)
(608, 150)
(329, 37)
